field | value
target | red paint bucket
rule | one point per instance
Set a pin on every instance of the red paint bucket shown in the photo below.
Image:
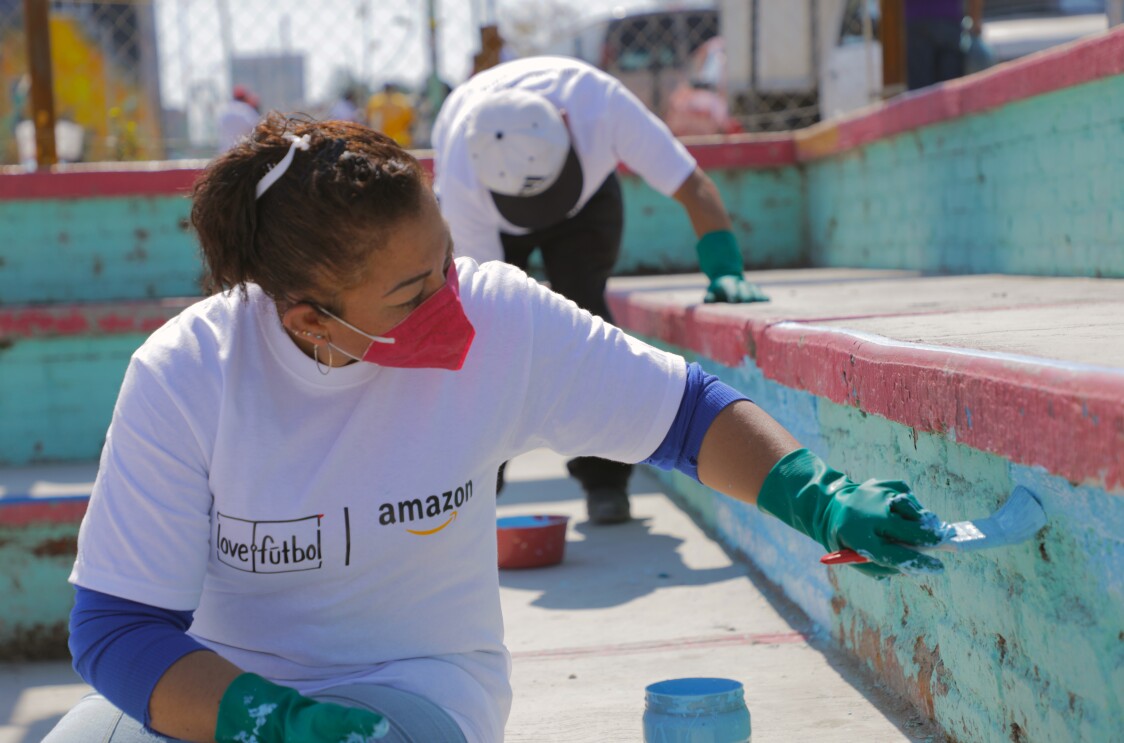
(531, 541)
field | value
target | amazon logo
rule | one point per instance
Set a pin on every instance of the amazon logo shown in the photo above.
(437, 511)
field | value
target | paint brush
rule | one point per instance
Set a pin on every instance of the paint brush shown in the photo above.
(1018, 519)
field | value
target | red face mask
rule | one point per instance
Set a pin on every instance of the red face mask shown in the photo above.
(436, 335)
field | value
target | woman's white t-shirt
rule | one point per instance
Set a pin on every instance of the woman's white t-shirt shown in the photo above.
(337, 528)
(608, 126)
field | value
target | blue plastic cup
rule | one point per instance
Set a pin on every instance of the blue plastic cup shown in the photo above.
(696, 710)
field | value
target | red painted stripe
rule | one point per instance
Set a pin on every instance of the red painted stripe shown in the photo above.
(108, 318)
(1019, 410)
(743, 151)
(682, 643)
(902, 114)
(172, 179)
(738, 152)
(108, 179)
(1053, 69)
(718, 332)
(44, 511)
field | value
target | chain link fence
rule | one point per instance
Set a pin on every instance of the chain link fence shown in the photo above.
(736, 65)
(158, 79)
(153, 79)
(773, 65)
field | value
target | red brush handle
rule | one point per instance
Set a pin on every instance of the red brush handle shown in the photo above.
(842, 557)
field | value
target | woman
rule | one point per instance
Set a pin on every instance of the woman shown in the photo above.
(292, 533)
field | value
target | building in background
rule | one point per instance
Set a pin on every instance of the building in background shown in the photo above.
(278, 79)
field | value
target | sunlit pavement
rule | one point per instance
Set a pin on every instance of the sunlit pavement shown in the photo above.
(655, 599)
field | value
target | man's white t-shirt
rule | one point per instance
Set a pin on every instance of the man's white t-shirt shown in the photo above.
(608, 126)
(341, 527)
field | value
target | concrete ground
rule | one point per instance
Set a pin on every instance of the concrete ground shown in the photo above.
(630, 605)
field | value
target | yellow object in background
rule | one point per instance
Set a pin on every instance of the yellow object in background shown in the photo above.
(391, 112)
(105, 111)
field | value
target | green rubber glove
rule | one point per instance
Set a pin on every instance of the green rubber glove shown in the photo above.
(877, 518)
(255, 710)
(721, 261)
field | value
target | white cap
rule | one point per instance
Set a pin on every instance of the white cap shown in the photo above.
(517, 142)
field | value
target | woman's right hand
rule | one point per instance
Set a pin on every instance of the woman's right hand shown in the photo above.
(253, 709)
(880, 519)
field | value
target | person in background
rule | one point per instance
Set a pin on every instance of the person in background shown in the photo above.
(391, 112)
(933, 38)
(123, 140)
(237, 117)
(292, 533)
(525, 158)
(344, 108)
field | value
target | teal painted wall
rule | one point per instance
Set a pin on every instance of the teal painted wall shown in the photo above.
(1024, 643)
(1032, 187)
(98, 249)
(59, 392)
(766, 208)
(58, 395)
(105, 249)
(36, 560)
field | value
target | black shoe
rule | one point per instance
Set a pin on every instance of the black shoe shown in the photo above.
(607, 506)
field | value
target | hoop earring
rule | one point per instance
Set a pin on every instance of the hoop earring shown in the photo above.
(316, 357)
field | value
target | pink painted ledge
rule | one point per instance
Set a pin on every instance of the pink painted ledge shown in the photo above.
(88, 319)
(175, 178)
(90, 180)
(1015, 406)
(1053, 69)
(19, 512)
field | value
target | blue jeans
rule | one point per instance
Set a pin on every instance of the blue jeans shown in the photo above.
(413, 719)
(932, 50)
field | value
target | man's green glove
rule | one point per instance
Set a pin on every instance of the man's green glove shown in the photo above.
(253, 709)
(878, 518)
(721, 261)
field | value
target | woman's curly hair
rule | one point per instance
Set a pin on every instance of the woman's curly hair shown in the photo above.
(312, 232)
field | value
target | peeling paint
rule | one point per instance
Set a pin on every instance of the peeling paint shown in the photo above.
(39, 642)
(64, 546)
(36, 560)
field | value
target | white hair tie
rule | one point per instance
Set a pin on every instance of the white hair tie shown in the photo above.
(278, 170)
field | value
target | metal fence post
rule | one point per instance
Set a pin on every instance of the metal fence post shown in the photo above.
(36, 25)
(893, 48)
